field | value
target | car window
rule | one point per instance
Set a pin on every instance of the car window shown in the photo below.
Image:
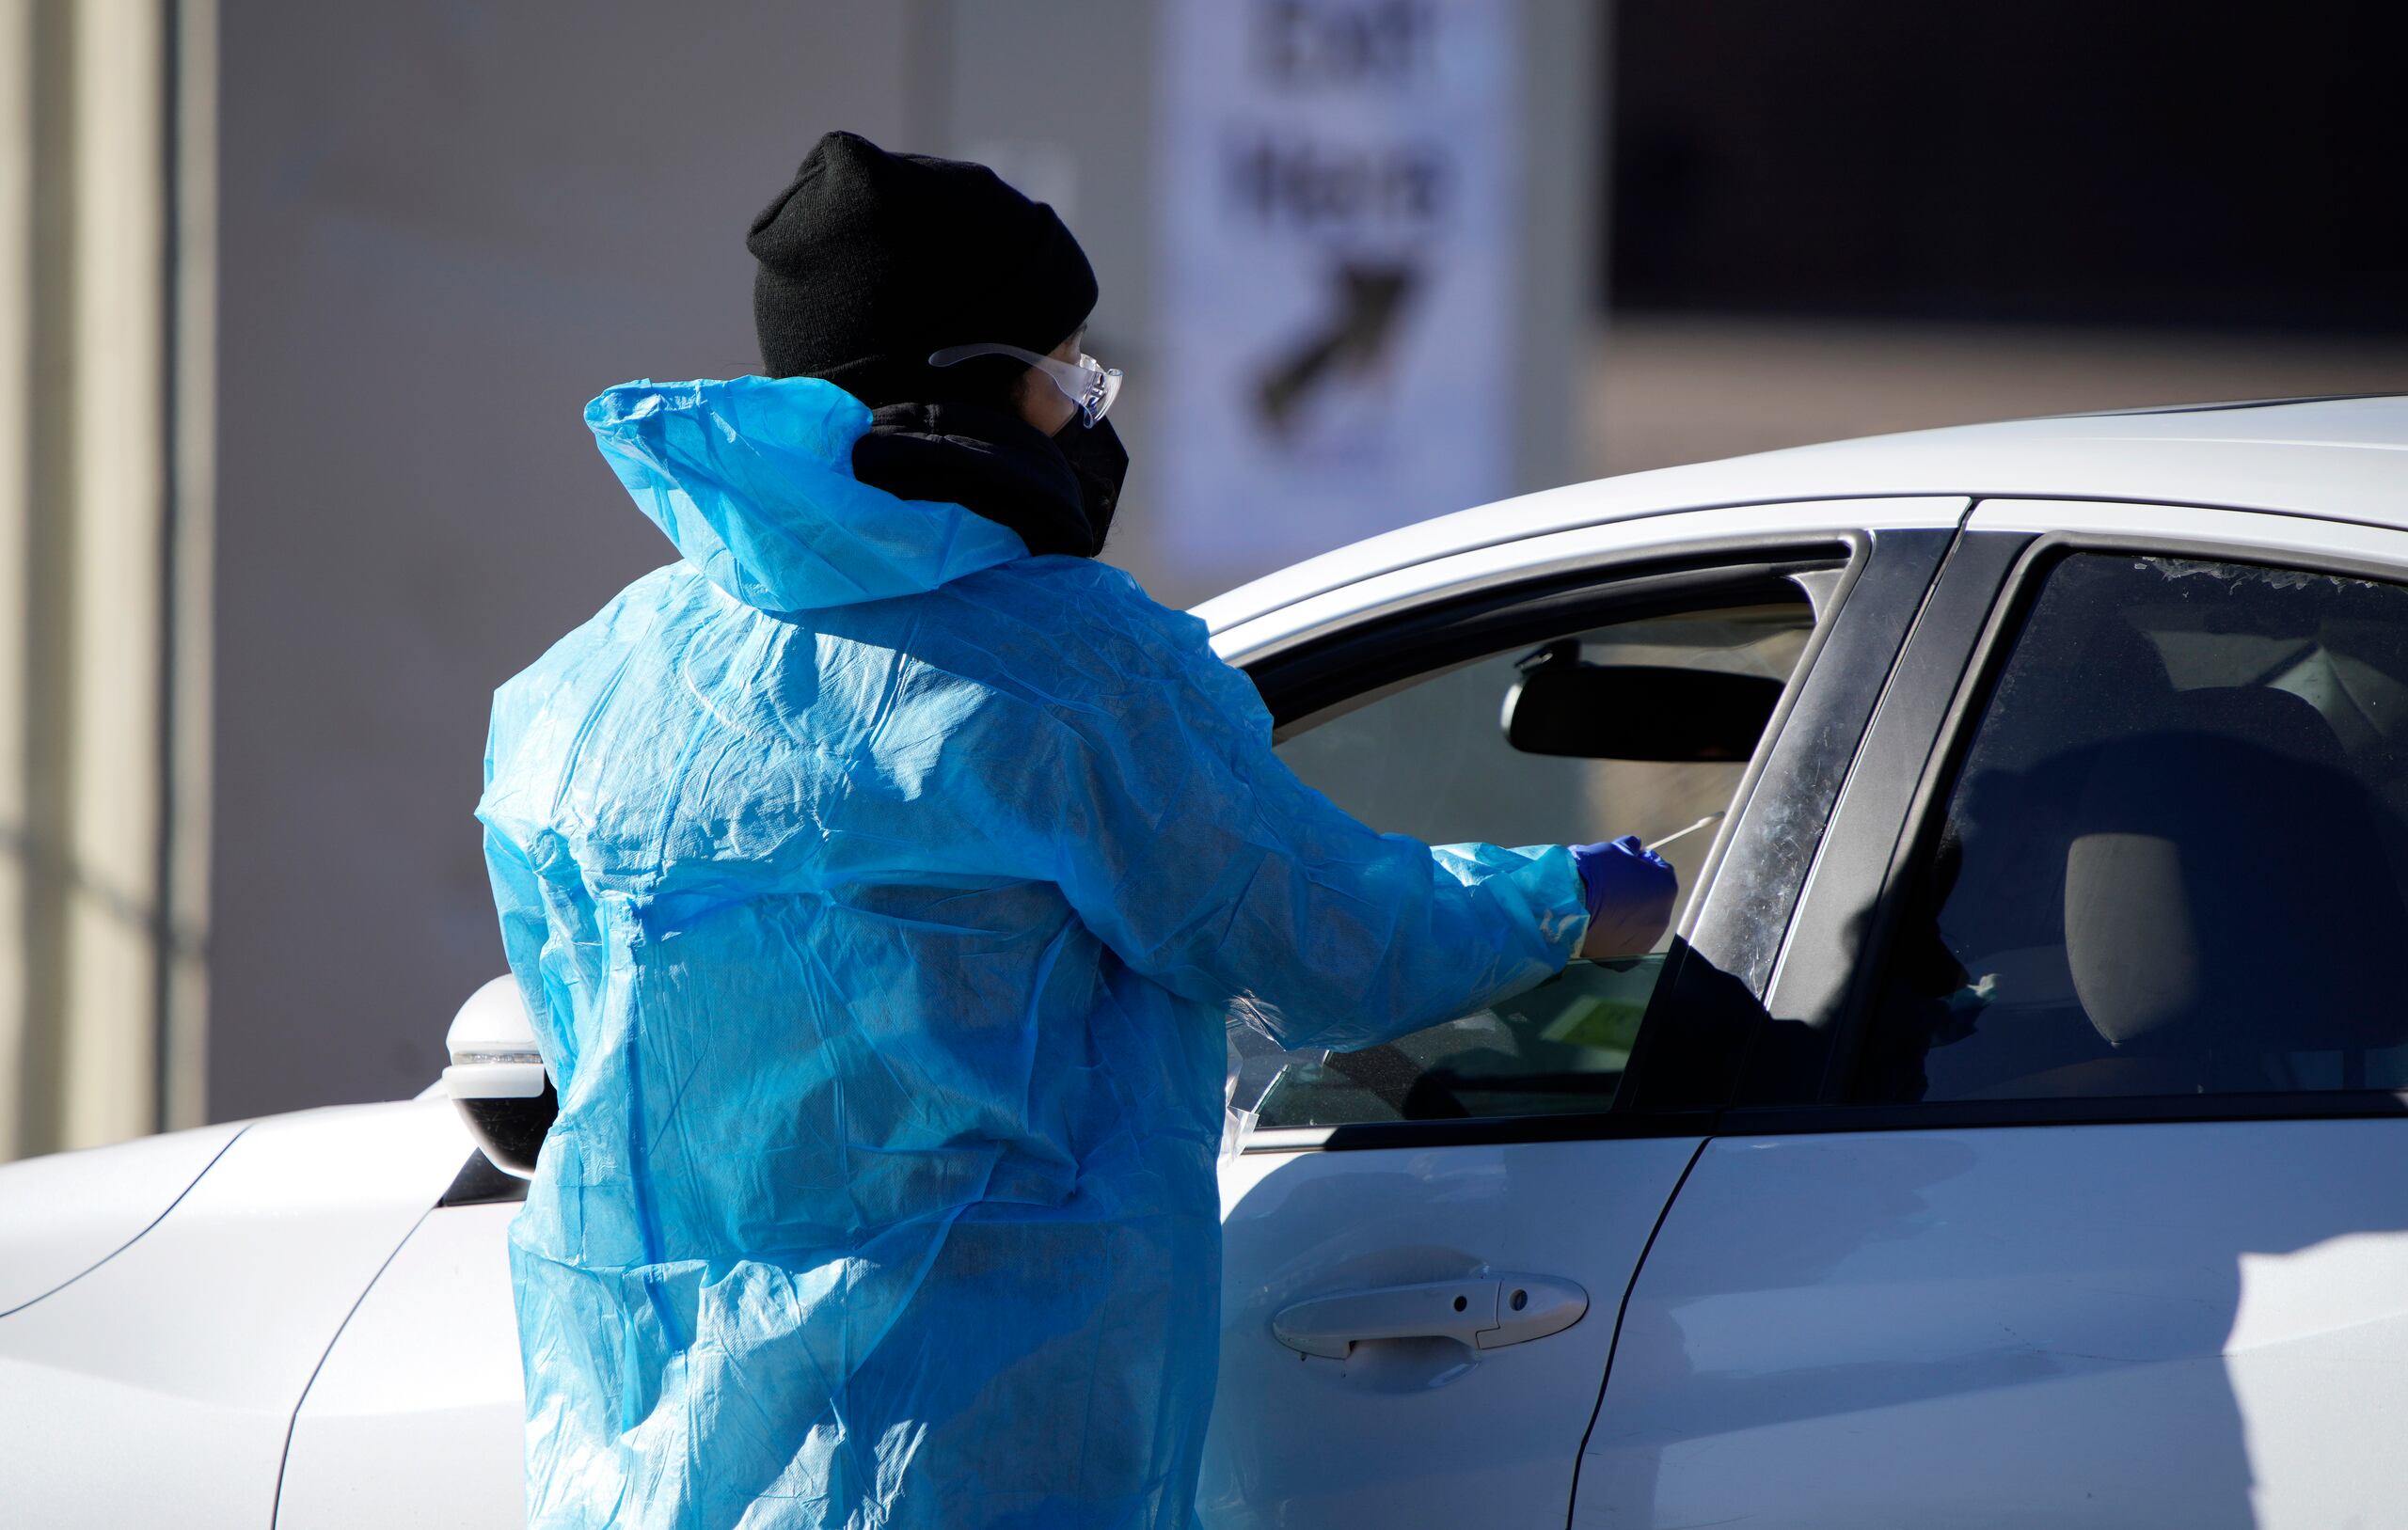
(1431, 758)
(2170, 862)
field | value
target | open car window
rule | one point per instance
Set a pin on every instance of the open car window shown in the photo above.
(1644, 727)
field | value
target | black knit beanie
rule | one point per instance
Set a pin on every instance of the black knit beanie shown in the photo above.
(871, 261)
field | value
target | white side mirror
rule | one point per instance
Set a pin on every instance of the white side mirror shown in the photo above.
(498, 1080)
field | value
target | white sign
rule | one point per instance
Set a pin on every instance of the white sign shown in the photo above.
(1342, 206)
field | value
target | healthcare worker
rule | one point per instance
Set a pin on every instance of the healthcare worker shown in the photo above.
(879, 877)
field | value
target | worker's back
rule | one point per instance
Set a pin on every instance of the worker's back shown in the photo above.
(862, 1131)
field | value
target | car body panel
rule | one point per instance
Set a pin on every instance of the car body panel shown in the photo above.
(1419, 1432)
(2171, 1324)
(62, 1215)
(199, 1340)
(426, 1372)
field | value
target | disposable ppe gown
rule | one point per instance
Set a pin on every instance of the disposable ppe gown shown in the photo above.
(879, 892)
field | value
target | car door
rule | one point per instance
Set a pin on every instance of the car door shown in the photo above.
(1428, 1243)
(2084, 1205)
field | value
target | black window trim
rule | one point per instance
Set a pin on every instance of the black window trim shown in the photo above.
(1944, 750)
(1468, 621)
(1484, 1130)
(2100, 1111)
(1839, 934)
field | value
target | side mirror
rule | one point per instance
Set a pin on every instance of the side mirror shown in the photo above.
(496, 1080)
(1564, 707)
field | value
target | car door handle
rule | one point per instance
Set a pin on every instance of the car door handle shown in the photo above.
(1487, 1312)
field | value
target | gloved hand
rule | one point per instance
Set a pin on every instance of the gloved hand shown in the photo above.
(1629, 891)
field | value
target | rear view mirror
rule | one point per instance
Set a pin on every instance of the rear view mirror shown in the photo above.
(1564, 707)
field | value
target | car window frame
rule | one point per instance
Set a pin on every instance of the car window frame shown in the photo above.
(1864, 584)
(1883, 833)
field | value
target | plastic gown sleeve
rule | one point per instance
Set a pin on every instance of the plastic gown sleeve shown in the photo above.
(1208, 866)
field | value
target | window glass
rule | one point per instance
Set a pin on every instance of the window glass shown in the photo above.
(2171, 862)
(1430, 759)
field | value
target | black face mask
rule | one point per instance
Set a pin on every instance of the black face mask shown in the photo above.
(1057, 491)
(1099, 459)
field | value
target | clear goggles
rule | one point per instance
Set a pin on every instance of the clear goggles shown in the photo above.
(1086, 382)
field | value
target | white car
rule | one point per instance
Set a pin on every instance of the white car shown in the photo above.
(2012, 1133)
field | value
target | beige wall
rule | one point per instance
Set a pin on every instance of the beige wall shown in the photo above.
(85, 515)
(22, 1070)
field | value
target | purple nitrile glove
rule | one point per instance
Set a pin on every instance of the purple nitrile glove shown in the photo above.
(1629, 890)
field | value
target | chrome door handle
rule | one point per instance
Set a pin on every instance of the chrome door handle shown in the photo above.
(1487, 1312)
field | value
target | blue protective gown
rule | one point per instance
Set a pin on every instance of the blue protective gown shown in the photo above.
(879, 892)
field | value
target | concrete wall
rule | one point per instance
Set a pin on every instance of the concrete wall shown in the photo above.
(444, 229)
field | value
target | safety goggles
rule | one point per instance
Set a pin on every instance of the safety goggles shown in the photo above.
(1086, 382)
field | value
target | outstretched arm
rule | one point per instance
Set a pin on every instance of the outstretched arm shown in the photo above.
(1201, 859)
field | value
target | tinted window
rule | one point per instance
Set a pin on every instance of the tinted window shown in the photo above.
(2170, 864)
(1430, 759)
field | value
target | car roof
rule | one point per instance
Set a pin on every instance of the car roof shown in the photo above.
(2341, 457)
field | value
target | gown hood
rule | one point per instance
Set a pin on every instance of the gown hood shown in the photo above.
(752, 480)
